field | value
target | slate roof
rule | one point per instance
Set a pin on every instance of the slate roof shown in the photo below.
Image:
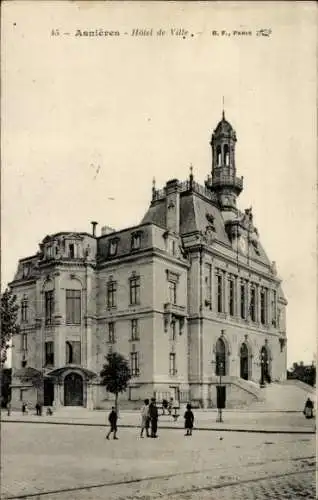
(193, 217)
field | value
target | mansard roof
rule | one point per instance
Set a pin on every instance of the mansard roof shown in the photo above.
(196, 212)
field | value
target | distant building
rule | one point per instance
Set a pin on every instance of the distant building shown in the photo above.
(187, 296)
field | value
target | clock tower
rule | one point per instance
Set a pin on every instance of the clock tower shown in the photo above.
(225, 183)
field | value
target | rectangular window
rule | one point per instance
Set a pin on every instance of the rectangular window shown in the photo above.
(24, 311)
(253, 304)
(243, 299)
(172, 364)
(49, 307)
(263, 306)
(219, 283)
(231, 297)
(111, 333)
(134, 329)
(172, 292)
(24, 342)
(173, 330)
(134, 363)
(49, 353)
(274, 306)
(172, 246)
(208, 286)
(73, 307)
(135, 241)
(111, 294)
(134, 291)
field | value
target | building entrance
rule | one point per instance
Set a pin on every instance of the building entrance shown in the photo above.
(48, 393)
(73, 390)
(244, 362)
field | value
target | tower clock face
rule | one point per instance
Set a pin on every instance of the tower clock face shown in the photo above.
(243, 245)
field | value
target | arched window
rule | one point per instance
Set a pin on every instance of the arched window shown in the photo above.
(218, 156)
(244, 362)
(226, 152)
(220, 357)
(69, 352)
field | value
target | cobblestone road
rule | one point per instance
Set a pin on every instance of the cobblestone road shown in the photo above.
(50, 462)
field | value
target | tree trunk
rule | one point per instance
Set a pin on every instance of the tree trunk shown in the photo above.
(116, 402)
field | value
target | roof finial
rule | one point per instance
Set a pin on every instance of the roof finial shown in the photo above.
(153, 188)
(223, 112)
(191, 175)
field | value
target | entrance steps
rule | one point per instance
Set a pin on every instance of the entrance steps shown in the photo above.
(284, 396)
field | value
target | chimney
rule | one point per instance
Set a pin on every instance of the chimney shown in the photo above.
(94, 224)
(173, 206)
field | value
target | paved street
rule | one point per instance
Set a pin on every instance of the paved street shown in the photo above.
(233, 420)
(57, 462)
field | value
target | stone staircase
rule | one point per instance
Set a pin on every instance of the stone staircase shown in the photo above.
(284, 396)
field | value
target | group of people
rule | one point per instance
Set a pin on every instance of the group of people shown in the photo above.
(149, 420)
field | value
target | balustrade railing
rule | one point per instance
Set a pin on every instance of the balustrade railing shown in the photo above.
(184, 186)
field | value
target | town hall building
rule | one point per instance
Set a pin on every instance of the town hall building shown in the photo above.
(188, 296)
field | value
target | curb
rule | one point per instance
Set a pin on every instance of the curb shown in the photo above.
(215, 429)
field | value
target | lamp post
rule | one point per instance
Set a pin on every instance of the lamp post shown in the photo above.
(220, 398)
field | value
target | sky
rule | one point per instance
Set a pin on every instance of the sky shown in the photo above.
(88, 122)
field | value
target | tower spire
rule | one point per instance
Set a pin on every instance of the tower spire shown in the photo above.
(223, 111)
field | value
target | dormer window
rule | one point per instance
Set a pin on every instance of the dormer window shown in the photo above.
(113, 246)
(71, 251)
(135, 241)
(26, 270)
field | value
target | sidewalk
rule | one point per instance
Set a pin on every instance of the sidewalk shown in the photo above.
(238, 421)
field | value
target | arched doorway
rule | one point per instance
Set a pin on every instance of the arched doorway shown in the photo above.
(73, 390)
(220, 357)
(48, 392)
(244, 361)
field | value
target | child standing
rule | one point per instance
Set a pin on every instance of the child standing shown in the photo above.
(112, 419)
(188, 420)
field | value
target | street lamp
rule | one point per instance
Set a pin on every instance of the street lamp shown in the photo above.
(220, 394)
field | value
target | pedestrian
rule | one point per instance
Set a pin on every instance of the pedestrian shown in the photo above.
(37, 408)
(188, 420)
(49, 411)
(170, 405)
(153, 414)
(309, 408)
(112, 419)
(23, 408)
(145, 418)
(9, 408)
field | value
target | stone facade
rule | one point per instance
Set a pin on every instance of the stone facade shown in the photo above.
(189, 296)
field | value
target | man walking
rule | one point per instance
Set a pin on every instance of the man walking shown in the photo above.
(112, 419)
(153, 414)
